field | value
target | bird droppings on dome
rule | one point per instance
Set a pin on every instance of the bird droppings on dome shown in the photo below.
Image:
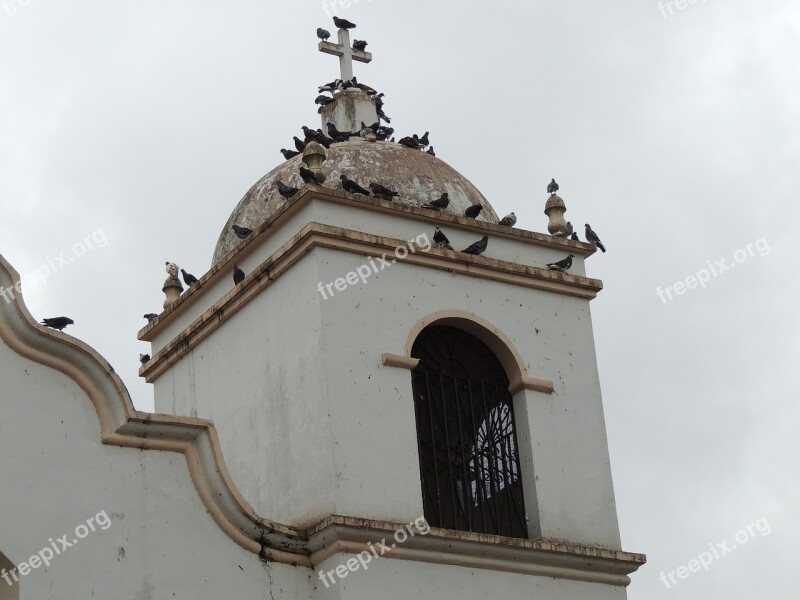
(416, 176)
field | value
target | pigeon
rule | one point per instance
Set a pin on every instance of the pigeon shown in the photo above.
(574, 237)
(509, 220)
(360, 45)
(383, 133)
(438, 204)
(242, 232)
(348, 185)
(58, 322)
(336, 135)
(430, 151)
(592, 238)
(343, 23)
(410, 141)
(382, 192)
(285, 191)
(143, 358)
(473, 211)
(378, 100)
(323, 100)
(287, 154)
(323, 34)
(330, 87)
(564, 232)
(172, 269)
(323, 139)
(423, 141)
(346, 85)
(478, 247)
(238, 275)
(365, 88)
(561, 265)
(150, 316)
(299, 144)
(373, 128)
(310, 134)
(440, 239)
(308, 176)
(188, 278)
(552, 187)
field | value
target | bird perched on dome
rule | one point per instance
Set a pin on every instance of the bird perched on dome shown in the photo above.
(336, 135)
(439, 203)
(552, 187)
(410, 141)
(285, 190)
(308, 176)
(348, 185)
(473, 211)
(241, 232)
(382, 192)
(287, 154)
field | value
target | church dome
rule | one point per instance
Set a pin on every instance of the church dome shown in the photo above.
(416, 175)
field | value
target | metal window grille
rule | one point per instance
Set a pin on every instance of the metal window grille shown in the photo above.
(469, 464)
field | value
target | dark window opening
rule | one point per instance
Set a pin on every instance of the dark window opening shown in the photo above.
(469, 463)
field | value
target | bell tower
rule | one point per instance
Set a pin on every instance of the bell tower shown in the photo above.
(364, 377)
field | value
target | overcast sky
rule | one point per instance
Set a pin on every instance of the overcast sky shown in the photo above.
(129, 131)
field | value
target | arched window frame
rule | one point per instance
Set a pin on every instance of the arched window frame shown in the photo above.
(469, 461)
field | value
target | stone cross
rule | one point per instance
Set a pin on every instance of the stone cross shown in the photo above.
(346, 54)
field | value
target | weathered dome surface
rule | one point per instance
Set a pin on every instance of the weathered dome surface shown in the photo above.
(416, 175)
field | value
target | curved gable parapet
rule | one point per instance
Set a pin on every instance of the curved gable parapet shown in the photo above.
(122, 425)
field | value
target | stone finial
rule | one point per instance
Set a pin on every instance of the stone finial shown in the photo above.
(172, 285)
(555, 209)
(313, 157)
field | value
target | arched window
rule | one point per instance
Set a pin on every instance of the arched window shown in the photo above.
(9, 586)
(469, 463)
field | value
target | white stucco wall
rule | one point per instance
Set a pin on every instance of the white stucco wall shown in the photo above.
(389, 578)
(312, 423)
(161, 543)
